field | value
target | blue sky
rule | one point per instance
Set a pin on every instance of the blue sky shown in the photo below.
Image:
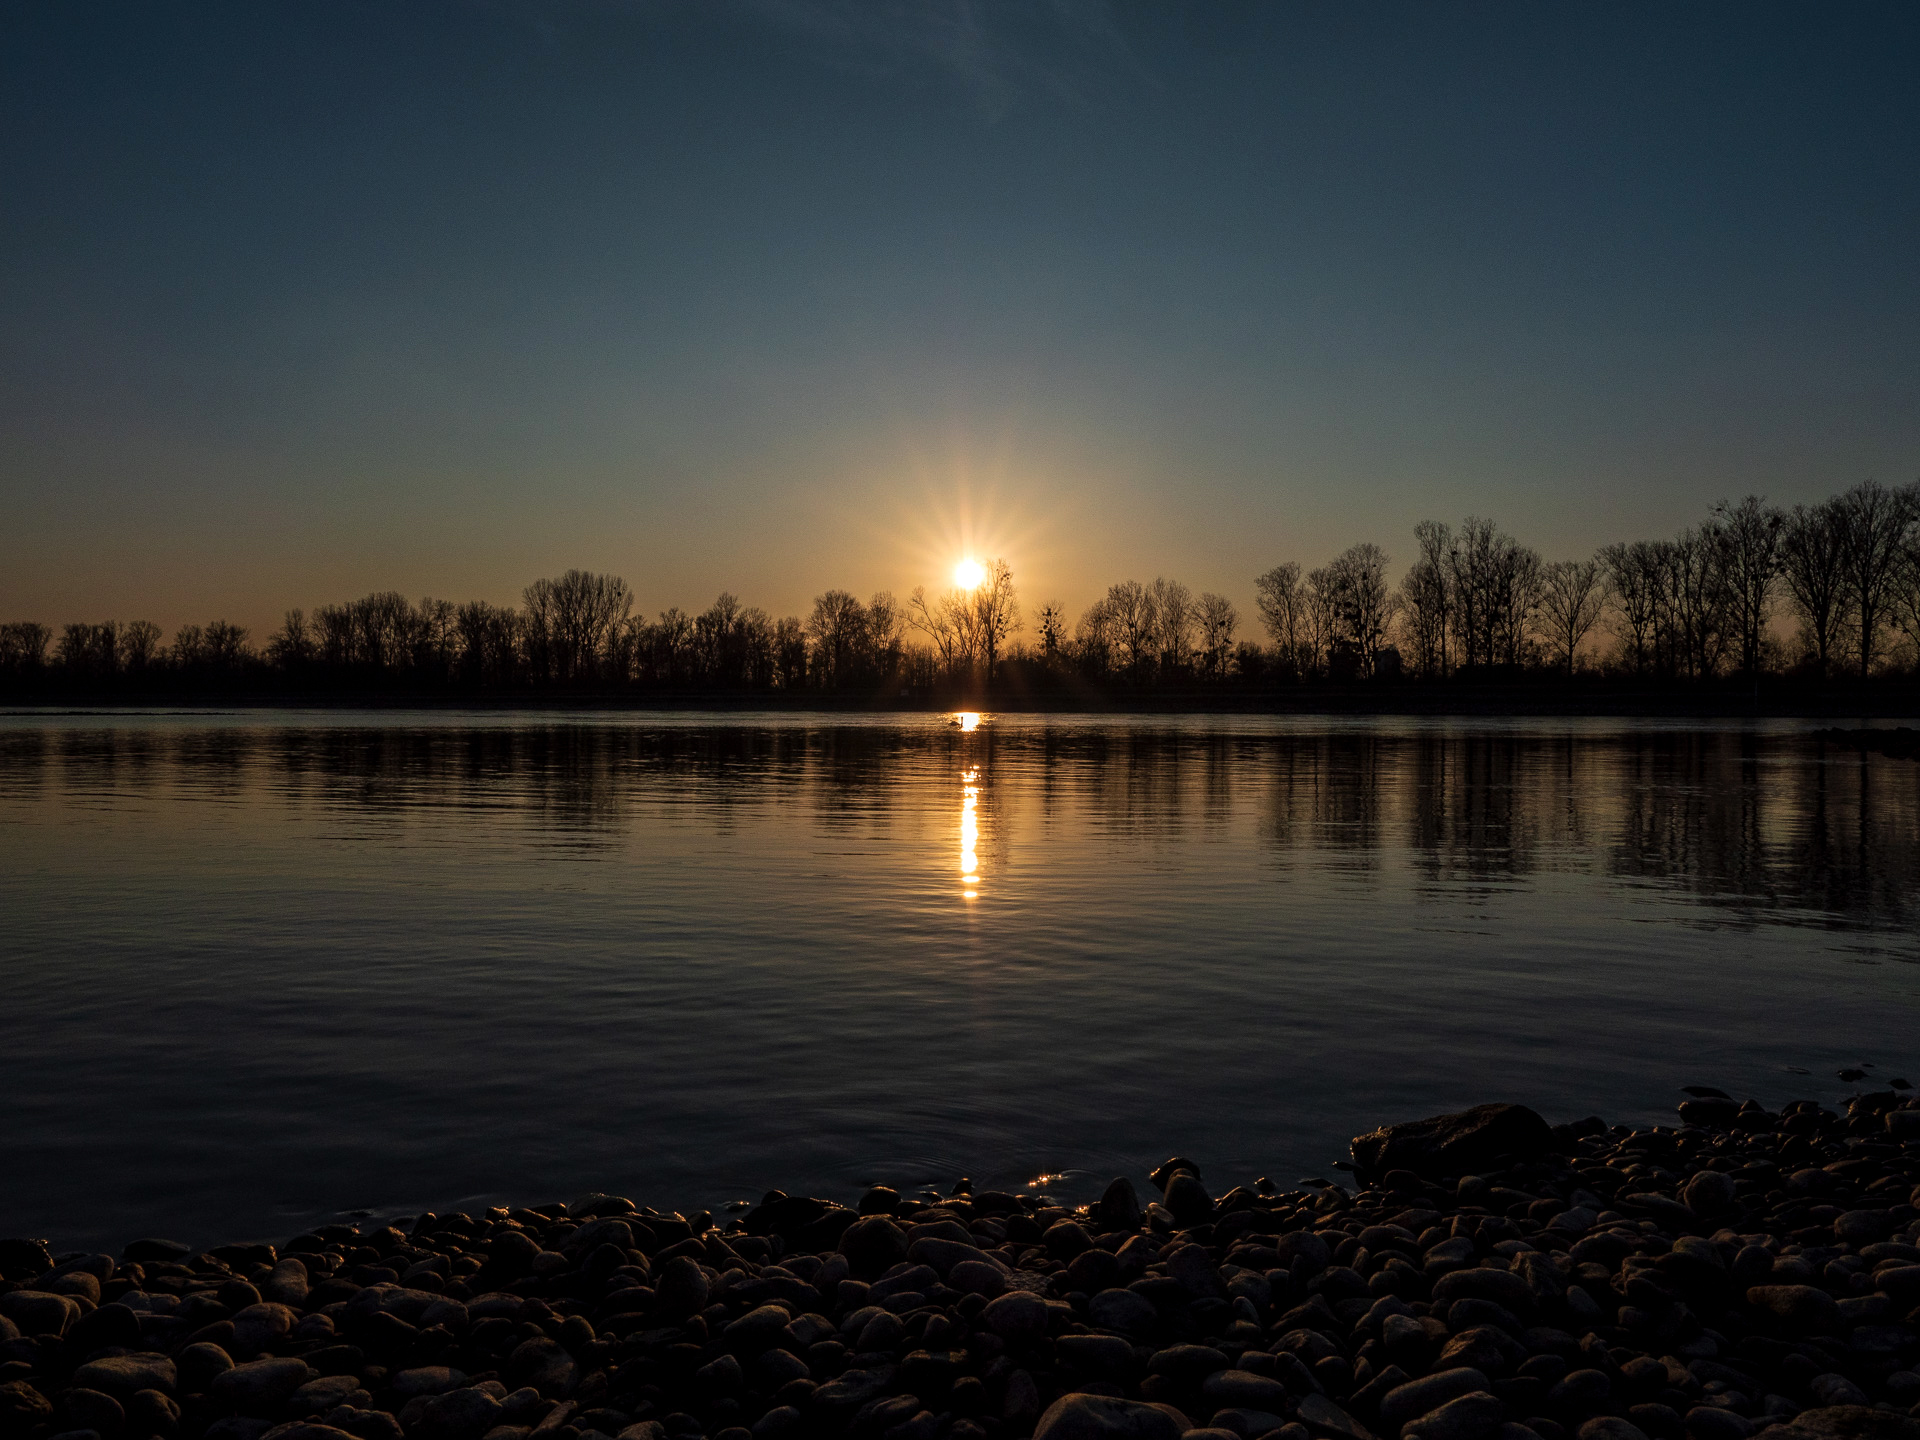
(300, 301)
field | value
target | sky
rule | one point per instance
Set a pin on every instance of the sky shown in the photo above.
(301, 301)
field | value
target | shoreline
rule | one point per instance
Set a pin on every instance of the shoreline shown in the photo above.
(1885, 698)
(1490, 1278)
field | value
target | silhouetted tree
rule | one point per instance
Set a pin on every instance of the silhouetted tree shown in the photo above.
(1874, 523)
(836, 628)
(23, 646)
(789, 653)
(1812, 565)
(1217, 620)
(1426, 599)
(1136, 626)
(567, 623)
(1572, 595)
(90, 652)
(1362, 601)
(1278, 597)
(1751, 534)
(291, 646)
(1173, 617)
(1051, 621)
(996, 613)
(139, 646)
(489, 639)
(1095, 637)
(1635, 578)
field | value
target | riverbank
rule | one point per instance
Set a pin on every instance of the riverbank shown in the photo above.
(1490, 1278)
(1884, 698)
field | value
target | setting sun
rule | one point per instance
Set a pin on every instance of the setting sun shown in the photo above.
(968, 574)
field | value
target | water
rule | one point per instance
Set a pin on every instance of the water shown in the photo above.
(265, 969)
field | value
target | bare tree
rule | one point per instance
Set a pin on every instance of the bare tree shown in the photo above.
(1217, 620)
(789, 653)
(1095, 637)
(1278, 597)
(189, 647)
(1492, 583)
(1874, 524)
(140, 645)
(835, 628)
(1905, 608)
(1173, 615)
(382, 629)
(996, 610)
(1320, 619)
(1129, 605)
(23, 646)
(1426, 598)
(1572, 595)
(1634, 577)
(1698, 600)
(1051, 621)
(1812, 563)
(945, 622)
(1751, 534)
(333, 627)
(570, 620)
(224, 645)
(292, 644)
(489, 643)
(90, 651)
(1362, 601)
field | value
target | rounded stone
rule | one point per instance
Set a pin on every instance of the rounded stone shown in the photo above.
(1078, 1416)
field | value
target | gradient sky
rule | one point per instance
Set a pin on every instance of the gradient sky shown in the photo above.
(299, 301)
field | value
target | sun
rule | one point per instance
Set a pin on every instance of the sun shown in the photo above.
(969, 574)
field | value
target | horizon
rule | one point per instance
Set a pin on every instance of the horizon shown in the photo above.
(307, 305)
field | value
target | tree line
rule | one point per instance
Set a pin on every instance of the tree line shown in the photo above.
(1825, 589)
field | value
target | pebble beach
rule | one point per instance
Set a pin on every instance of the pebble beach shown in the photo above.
(1483, 1276)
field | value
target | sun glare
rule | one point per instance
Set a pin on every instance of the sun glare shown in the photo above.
(968, 574)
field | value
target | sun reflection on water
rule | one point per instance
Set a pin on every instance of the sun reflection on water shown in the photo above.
(970, 831)
(967, 720)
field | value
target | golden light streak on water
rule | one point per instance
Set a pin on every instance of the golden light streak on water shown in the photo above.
(970, 829)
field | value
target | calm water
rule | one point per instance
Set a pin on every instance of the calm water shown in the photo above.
(264, 969)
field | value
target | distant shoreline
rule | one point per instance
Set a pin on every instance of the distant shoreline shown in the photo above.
(1883, 700)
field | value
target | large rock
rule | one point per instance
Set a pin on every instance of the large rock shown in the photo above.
(681, 1287)
(873, 1245)
(1419, 1397)
(22, 1259)
(544, 1365)
(95, 1410)
(1469, 1417)
(123, 1374)
(1482, 1138)
(1017, 1316)
(944, 1255)
(1119, 1208)
(39, 1312)
(22, 1408)
(260, 1387)
(1801, 1308)
(1845, 1422)
(1104, 1417)
(1317, 1410)
(1243, 1390)
(464, 1414)
(1503, 1287)
(1123, 1310)
(261, 1327)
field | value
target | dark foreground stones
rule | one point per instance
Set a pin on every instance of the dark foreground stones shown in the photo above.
(1741, 1274)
